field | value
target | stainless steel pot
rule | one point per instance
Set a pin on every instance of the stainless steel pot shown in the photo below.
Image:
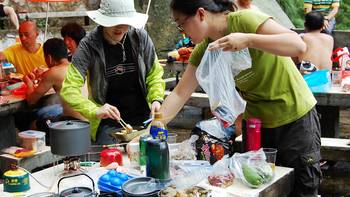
(70, 137)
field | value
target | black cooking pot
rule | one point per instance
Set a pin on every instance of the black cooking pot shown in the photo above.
(140, 187)
(69, 137)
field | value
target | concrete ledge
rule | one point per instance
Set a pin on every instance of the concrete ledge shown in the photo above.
(64, 14)
(40, 159)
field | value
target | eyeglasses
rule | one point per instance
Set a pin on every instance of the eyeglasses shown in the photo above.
(180, 26)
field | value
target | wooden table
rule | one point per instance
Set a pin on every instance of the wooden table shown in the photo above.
(280, 186)
(328, 105)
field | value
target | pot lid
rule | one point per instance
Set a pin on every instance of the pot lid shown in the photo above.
(69, 124)
(77, 192)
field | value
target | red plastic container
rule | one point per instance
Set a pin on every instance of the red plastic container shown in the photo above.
(110, 155)
(253, 135)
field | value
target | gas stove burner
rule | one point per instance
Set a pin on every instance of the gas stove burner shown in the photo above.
(71, 163)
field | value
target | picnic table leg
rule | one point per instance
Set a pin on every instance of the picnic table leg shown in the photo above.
(329, 118)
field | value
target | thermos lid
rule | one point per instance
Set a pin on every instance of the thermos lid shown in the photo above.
(253, 121)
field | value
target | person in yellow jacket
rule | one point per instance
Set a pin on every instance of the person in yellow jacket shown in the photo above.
(119, 62)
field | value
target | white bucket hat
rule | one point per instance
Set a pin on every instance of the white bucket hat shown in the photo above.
(118, 12)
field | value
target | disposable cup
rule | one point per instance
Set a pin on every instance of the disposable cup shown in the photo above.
(270, 154)
(172, 138)
(133, 150)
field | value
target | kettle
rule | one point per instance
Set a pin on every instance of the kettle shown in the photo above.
(110, 155)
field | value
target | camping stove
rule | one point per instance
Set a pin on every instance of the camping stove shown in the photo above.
(71, 164)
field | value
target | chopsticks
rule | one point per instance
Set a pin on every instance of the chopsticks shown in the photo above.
(126, 126)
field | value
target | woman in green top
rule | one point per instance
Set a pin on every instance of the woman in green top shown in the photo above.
(273, 88)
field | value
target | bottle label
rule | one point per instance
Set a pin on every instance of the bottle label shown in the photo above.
(154, 131)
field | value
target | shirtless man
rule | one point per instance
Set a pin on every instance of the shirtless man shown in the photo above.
(319, 45)
(55, 52)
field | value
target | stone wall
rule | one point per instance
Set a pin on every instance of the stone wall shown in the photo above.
(160, 26)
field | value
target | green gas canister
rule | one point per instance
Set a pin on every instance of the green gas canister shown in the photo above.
(16, 180)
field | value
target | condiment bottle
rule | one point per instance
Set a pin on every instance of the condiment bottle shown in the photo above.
(158, 129)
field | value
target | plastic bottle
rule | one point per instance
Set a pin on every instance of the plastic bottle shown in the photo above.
(158, 129)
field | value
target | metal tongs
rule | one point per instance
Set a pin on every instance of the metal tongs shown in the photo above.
(128, 128)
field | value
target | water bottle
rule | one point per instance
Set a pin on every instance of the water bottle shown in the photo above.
(252, 137)
(143, 143)
(157, 165)
(158, 129)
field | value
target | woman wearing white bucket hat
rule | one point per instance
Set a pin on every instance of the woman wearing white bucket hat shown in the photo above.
(119, 61)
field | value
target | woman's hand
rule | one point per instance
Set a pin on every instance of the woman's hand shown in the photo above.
(108, 111)
(231, 42)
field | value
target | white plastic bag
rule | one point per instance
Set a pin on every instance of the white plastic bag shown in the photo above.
(215, 75)
(251, 167)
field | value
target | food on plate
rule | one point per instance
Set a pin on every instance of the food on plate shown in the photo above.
(193, 191)
(221, 180)
(124, 131)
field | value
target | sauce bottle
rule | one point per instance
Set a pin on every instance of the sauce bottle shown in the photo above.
(158, 129)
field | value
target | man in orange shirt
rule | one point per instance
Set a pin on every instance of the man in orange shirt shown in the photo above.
(27, 55)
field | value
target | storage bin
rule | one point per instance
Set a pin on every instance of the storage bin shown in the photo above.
(33, 140)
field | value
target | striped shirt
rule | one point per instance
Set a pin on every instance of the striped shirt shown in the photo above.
(323, 6)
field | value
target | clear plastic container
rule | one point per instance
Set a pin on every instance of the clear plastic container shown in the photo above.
(33, 140)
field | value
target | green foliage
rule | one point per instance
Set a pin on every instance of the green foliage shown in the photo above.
(295, 10)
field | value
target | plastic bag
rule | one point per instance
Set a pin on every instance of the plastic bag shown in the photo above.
(215, 75)
(213, 141)
(221, 175)
(251, 167)
(342, 57)
(186, 174)
(215, 128)
(185, 150)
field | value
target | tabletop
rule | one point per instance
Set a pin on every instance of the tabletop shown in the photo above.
(281, 184)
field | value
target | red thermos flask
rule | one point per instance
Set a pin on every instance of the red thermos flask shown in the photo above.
(253, 139)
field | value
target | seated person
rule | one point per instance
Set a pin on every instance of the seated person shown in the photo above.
(72, 33)
(27, 55)
(55, 52)
(9, 12)
(319, 45)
